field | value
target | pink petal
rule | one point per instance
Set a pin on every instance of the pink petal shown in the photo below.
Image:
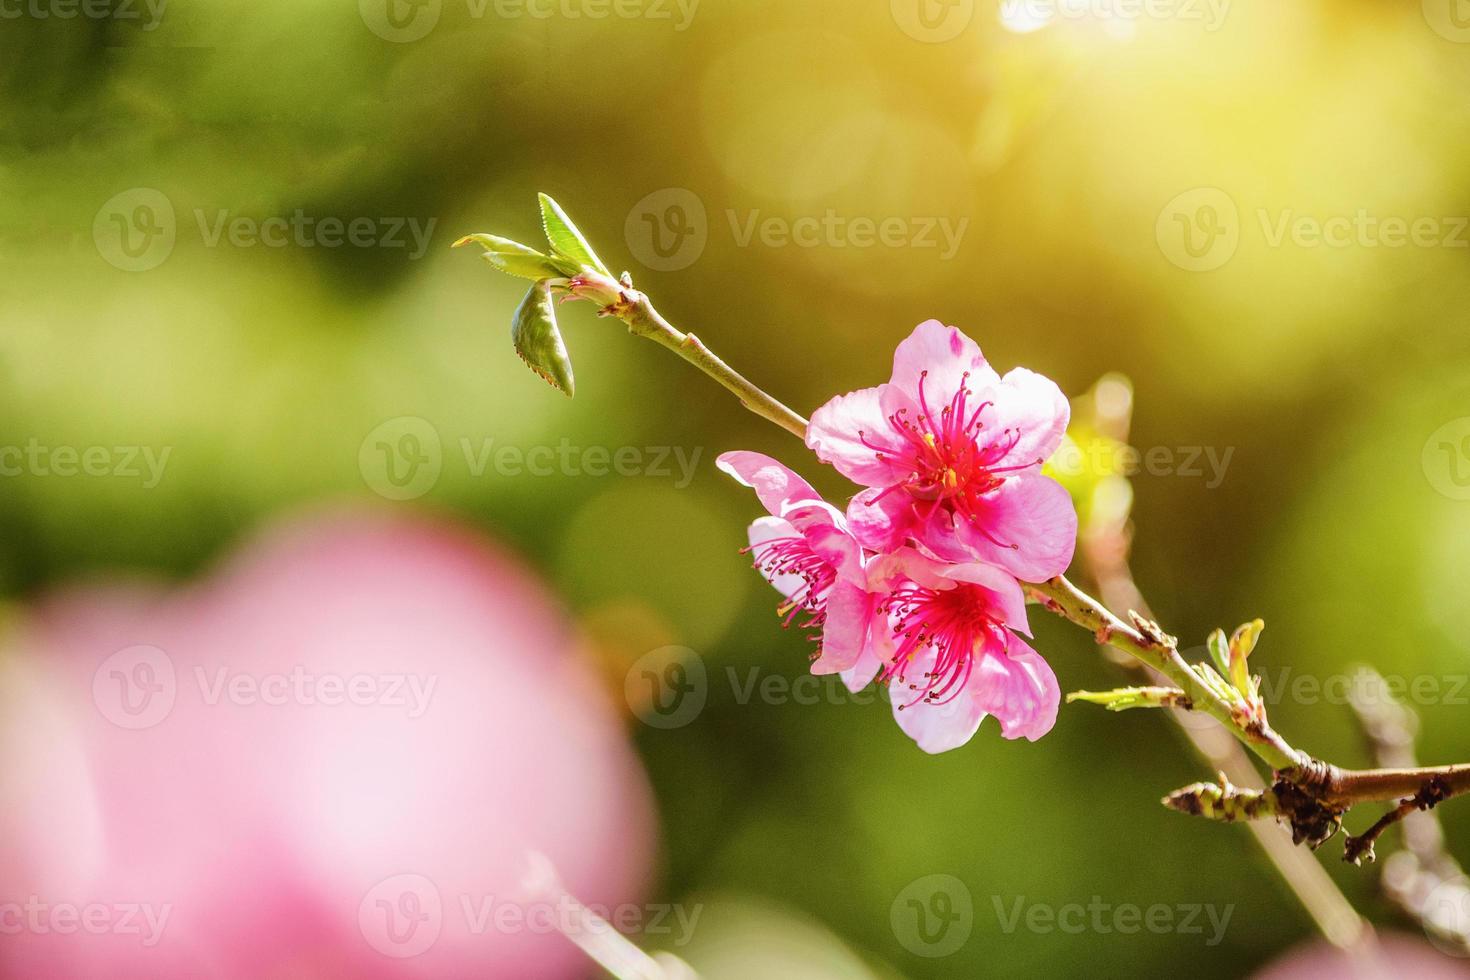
(838, 430)
(1033, 406)
(882, 522)
(892, 569)
(936, 727)
(1035, 514)
(1005, 592)
(877, 651)
(1018, 688)
(776, 485)
(845, 632)
(861, 673)
(947, 354)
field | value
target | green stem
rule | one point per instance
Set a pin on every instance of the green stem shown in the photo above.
(1147, 643)
(644, 321)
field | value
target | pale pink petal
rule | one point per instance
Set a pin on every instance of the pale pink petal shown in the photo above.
(947, 355)
(935, 534)
(1034, 407)
(882, 521)
(861, 673)
(765, 529)
(1018, 688)
(876, 651)
(776, 485)
(845, 631)
(839, 429)
(889, 570)
(1007, 598)
(935, 727)
(1034, 523)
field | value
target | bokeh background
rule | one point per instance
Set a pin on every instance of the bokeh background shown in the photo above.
(1082, 189)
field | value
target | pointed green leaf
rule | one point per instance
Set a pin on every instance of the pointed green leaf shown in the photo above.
(538, 341)
(1124, 698)
(566, 241)
(516, 259)
(1242, 642)
(1219, 651)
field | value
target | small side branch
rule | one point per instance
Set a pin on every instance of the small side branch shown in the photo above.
(1360, 848)
(1147, 642)
(1308, 794)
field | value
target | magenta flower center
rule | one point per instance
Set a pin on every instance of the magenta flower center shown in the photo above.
(955, 622)
(950, 457)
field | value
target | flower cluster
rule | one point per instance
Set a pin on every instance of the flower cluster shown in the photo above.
(918, 583)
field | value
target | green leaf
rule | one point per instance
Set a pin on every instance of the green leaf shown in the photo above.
(1124, 698)
(1242, 642)
(516, 259)
(1219, 651)
(538, 341)
(566, 241)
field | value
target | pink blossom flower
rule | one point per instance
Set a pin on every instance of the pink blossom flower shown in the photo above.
(955, 657)
(952, 455)
(806, 551)
(267, 829)
(941, 635)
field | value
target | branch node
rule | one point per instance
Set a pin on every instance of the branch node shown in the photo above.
(1153, 634)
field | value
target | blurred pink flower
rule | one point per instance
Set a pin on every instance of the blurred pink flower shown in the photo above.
(805, 550)
(955, 654)
(1383, 956)
(329, 759)
(952, 453)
